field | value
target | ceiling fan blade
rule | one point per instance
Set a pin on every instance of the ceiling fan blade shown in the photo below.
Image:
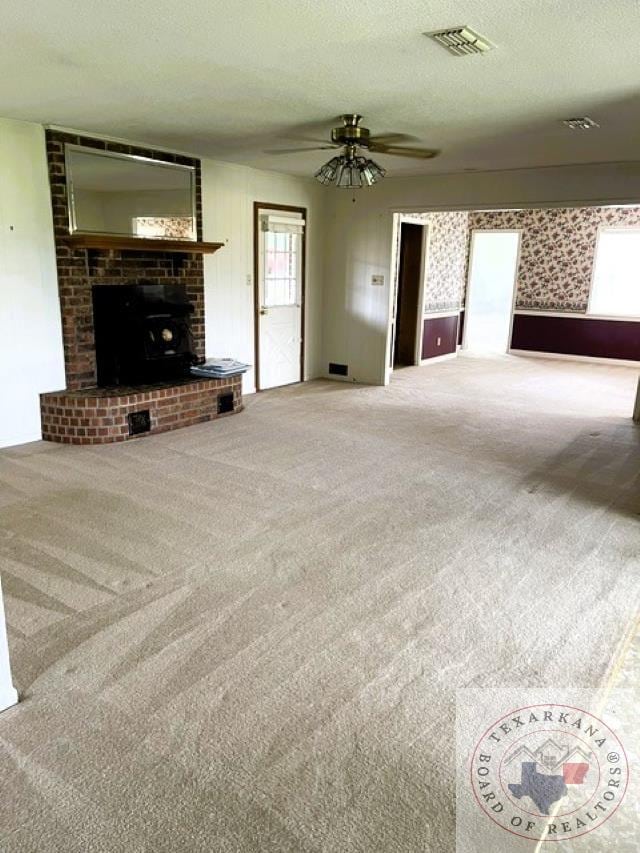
(388, 138)
(399, 151)
(298, 150)
(317, 139)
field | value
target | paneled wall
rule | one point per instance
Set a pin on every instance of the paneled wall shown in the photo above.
(577, 335)
(228, 193)
(439, 335)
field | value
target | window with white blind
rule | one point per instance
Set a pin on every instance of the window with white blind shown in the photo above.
(615, 291)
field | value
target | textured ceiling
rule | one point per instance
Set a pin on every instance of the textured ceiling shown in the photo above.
(229, 79)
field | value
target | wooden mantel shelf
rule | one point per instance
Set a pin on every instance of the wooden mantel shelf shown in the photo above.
(141, 244)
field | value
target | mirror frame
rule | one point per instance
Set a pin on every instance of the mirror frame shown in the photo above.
(73, 225)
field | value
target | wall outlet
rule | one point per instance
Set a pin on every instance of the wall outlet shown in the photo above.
(249, 279)
(377, 280)
(438, 341)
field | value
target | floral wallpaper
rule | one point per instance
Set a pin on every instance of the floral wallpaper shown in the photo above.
(557, 251)
(446, 259)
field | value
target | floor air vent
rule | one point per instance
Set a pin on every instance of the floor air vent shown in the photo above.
(338, 369)
(225, 403)
(139, 422)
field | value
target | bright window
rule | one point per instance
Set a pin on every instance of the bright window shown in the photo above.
(616, 279)
(281, 268)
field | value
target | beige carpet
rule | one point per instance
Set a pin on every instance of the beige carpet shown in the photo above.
(247, 635)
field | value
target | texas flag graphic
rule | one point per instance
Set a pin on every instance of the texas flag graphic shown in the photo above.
(573, 774)
(545, 789)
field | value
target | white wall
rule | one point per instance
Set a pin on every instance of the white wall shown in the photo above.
(31, 356)
(359, 239)
(228, 194)
(8, 695)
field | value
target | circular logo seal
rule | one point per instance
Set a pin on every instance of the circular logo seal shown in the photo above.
(549, 772)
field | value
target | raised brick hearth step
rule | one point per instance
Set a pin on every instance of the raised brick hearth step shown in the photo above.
(102, 415)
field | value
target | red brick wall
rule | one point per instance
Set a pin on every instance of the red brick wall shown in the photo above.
(79, 269)
(100, 416)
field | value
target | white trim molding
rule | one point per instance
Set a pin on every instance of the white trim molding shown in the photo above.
(574, 315)
(561, 356)
(432, 315)
(8, 693)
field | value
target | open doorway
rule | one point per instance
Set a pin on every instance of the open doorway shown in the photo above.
(493, 265)
(408, 308)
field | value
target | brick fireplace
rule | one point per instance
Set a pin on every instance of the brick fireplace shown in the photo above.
(84, 413)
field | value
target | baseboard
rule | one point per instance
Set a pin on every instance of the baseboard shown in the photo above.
(8, 698)
(334, 377)
(445, 357)
(560, 356)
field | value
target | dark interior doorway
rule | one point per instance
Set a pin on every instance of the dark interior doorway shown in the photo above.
(407, 302)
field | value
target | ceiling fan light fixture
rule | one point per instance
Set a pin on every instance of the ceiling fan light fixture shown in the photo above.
(372, 172)
(349, 177)
(327, 174)
(349, 172)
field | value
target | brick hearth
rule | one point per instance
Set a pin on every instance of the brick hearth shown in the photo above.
(101, 415)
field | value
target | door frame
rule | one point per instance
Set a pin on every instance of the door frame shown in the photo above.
(395, 263)
(257, 207)
(514, 285)
(424, 272)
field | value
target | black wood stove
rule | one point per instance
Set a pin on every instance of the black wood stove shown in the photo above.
(142, 333)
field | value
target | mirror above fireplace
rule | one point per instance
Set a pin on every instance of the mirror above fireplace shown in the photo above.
(129, 196)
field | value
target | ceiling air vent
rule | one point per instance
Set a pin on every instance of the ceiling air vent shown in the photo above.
(461, 41)
(582, 123)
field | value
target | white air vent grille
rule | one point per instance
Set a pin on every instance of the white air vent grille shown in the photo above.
(461, 41)
(581, 123)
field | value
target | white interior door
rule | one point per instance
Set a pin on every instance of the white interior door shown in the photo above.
(492, 276)
(280, 255)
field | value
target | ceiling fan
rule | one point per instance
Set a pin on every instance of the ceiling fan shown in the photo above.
(352, 169)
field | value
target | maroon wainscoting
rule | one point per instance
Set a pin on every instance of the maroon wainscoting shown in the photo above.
(577, 336)
(442, 329)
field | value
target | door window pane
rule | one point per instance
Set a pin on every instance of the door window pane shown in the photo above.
(280, 268)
